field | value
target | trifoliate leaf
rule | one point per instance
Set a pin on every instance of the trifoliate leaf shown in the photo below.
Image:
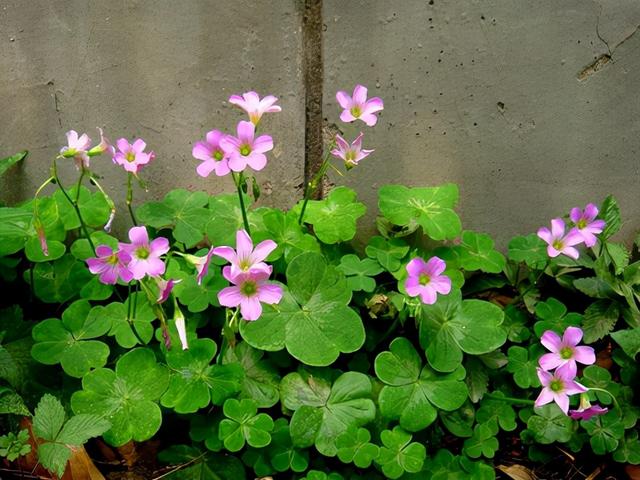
(523, 364)
(552, 315)
(359, 273)
(482, 443)
(283, 228)
(530, 249)
(199, 465)
(354, 446)
(452, 326)
(549, 424)
(313, 320)
(388, 252)
(244, 424)
(605, 432)
(284, 456)
(476, 252)
(398, 454)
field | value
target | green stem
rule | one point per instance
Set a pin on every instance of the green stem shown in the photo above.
(229, 330)
(83, 226)
(130, 199)
(112, 205)
(613, 398)
(80, 178)
(238, 178)
(312, 185)
(510, 399)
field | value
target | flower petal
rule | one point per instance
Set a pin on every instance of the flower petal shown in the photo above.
(344, 99)
(263, 144)
(549, 361)
(416, 266)
(202, 151)
(551, 340)
(246, 131)
(557, 227)
(257, 161)
(230, 297)
(262, 251)
(585, 355)
(206, 167)
(572, 336)
(138, 236)
(269, 293)
(250, 308)
(360, 95)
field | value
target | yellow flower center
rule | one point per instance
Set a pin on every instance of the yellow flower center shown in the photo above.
(142, 253)
(218, 155)
(249, 288)
(356, 111)
(130, 157)
(245, 150)
(424, 279)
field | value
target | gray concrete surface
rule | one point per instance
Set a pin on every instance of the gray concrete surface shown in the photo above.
(157, 69)
(532, 107)
(486, 94)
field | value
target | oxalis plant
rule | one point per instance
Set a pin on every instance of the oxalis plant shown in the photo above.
(254, 342)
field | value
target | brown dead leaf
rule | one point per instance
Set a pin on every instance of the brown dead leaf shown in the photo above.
(632, 471)
(517, 472)
(594, 474)
(81, 467)
(129, 453)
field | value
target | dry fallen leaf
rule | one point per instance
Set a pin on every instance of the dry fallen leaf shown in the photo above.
(81, 467)
(632, 471)
(517, 472)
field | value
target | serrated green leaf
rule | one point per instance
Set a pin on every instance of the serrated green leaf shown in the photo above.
(610, 213)
(629, 340)
(599, 319)
(81, 428)
(54, 457)
(48, 418)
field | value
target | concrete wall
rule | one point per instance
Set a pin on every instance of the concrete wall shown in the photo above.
(532, 107)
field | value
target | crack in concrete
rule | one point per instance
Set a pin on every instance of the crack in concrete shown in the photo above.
(602, 60)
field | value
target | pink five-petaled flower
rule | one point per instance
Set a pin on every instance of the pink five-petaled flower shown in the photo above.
(132, 156)
(565, 351)
(586, 410)
(351, 154)
(251, 103)
(245, 258)
(586, 223)
(426, 279)
(110, 265)
(246, 150)
(558, 242)
(358, 106)
(248, 290)
(145, 255)
(557, 387)
(77, 148)
(212, 156)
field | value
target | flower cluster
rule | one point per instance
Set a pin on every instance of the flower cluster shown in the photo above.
(132, 261)
(248, 274)
(426, 280)
(224, 153)
(355, 107)
(585, 229)
(559, 385)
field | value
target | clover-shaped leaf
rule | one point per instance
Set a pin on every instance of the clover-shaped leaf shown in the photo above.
(523, 364)
(313, 319)
(260, 381)
(515, 322)
(412, 393)
(93, 207)
(443, 465)
(127, 397)
(476, 252)
(319, 475)
(431, 208)
(227, 219)
(530, 249)
(553, 316)
(194, 382)
(549, 424)
(334, 218)
(388, 252)
(125, 319)
(60, 280)
(604, 431)
(398, 454)
(68, 341)
(452, 326)
(628, 450)
(283, 228)
(181, 210)
(354, 446)
(359, 273)
(482, 442)
(197, 297)
(323, 411)
(460, 421)
(14, 229)
(598, 377)
(496, 413)
(244, 424)
(284, 456)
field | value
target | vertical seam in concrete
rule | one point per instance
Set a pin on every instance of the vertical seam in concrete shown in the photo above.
(313, 72)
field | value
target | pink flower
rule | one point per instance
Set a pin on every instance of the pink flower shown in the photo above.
(202, 265)
(557, 387)
(132, 156)
(246, 258)
(181, 327)
(586, 411)
(250, 102)
(212, 156)
(564, 351)
(358, 106)
(77, 148)
(248, 290)
(110, 265)
(246, 150)
(558, 242)
(145, 256)
(164, 288)
(586, 223)
(425, 279)
(351, 154)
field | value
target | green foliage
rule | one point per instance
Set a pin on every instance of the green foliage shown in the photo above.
(476, 252)
(244, 424)
(552, 315)
(398, 454)
(604, 431)
(482, 442)
(549, 424)
(359, 273)
(452, 326)
(13, 446)
(312, 320)
(7, 162)
(127, 396)
(388, 252)
(354, 447)
(59, 436)
(523, 364)
(334, 219)
(431, 208)
(197, 465)
(414, 394)
(323, 411)
(282, 453)
(529, 249)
